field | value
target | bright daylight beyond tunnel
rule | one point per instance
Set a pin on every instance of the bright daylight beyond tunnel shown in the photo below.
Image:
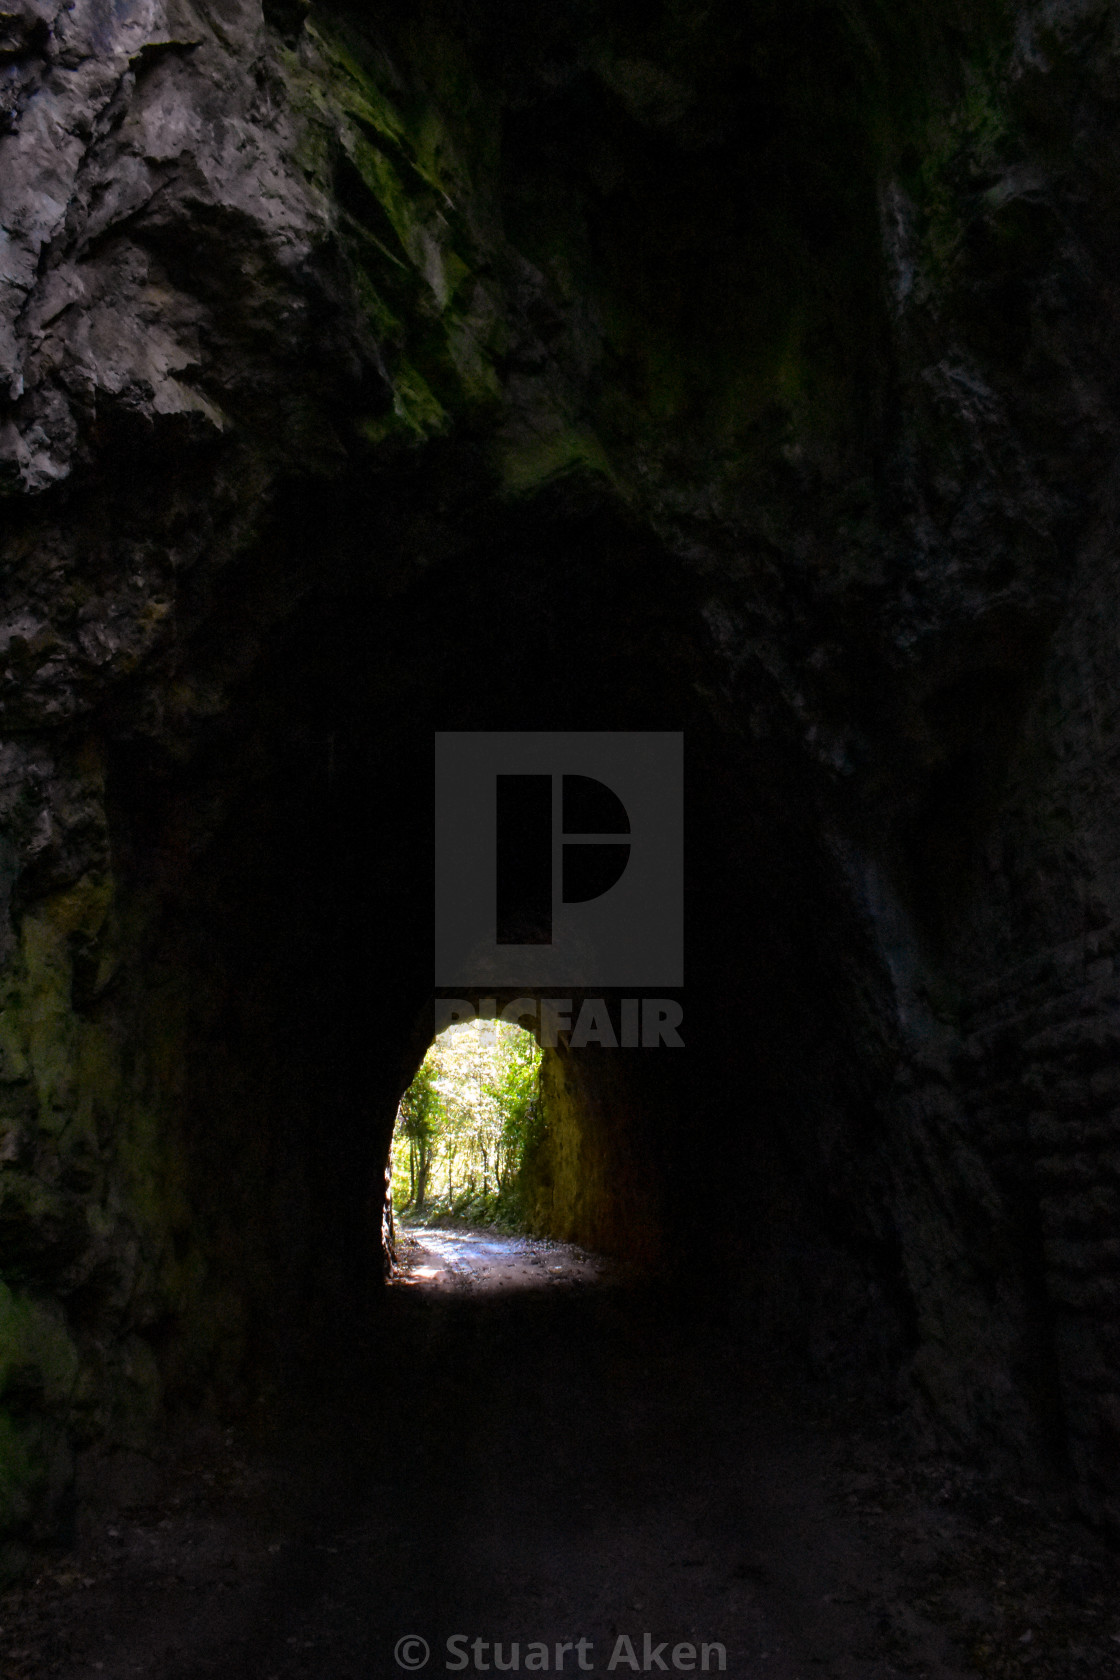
(467, 1125)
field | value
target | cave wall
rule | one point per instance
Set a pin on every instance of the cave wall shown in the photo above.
(599, 1172)
(742, 370)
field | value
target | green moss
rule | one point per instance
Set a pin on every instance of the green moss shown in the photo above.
(385, 185)
(404, 230)
(14, 1065)
(354, 87)
(33, 1337)
(416, 410)
(386, 325)
(45, 1019)
(959, 149)
(38, 1376)
(527, 467)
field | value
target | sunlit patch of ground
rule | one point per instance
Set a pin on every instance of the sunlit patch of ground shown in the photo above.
(446, 1256)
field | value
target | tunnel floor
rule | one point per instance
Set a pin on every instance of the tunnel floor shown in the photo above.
(450, 1257)
(559, 1452)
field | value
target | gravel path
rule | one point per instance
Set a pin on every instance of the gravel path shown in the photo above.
(446, 1256)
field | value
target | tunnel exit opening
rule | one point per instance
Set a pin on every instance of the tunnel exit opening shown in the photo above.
(467, 1124)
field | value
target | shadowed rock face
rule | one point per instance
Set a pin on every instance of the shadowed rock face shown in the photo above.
(377, 369)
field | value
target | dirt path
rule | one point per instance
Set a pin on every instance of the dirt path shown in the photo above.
(457, 1257)
(554, 1455)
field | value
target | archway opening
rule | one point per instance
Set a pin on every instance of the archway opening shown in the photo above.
(466, 1125)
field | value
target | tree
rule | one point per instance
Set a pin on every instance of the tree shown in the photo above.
(515, 1091)
(419, 1117)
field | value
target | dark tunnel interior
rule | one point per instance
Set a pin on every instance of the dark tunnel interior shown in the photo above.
(291, 857)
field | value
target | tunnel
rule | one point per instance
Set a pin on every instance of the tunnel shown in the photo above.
(299, 929)
(737, 373)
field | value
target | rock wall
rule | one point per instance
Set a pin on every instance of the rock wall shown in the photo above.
(370, 370)
(597, 1175)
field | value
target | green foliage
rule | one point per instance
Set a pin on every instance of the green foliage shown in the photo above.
(466, 1122)
(421, 1108)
